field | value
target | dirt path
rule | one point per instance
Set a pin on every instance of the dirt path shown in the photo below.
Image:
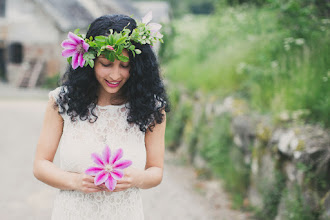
(22, 196)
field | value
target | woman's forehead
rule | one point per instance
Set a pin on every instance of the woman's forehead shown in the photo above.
(104, 58)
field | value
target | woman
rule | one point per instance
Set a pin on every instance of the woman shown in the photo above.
(120, 103)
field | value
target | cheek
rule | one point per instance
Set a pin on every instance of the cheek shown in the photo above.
(126, 74)
(100, 73)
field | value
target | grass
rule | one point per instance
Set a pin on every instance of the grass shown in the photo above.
(245, 51)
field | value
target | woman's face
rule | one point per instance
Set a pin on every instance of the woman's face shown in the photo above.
(111, 75)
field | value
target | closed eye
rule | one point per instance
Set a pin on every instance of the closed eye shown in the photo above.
(125, 66)
(106, 65)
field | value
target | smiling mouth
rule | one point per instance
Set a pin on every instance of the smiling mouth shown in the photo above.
(113, 83)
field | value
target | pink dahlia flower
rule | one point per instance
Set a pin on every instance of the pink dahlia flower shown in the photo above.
(109, 169)
(75, 47)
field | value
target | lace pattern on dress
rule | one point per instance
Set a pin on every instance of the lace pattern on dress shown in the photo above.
(79, 140)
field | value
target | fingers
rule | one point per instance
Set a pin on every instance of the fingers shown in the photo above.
(88, 178)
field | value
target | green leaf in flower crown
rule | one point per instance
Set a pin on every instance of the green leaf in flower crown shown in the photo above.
(111, 40)
(92, 44)
(132, 47)
(88, 56)
(69, 59)
(110, 56)
(91, 63)
(123, 58)
(100, 38)
(119, 50)
(121, 40)
(76, 31)
(137, 51)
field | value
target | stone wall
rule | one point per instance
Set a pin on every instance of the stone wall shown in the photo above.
(288, 161)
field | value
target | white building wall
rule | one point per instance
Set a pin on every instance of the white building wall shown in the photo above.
(28, 24)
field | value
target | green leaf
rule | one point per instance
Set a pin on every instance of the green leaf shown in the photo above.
(76, 31)
(137, 51)
(120, 49)
(123, 58)
(121, 40)
(91, 63)
(110, 56)
(88, 56)
(132, 47)
(69, 59)
(100, 38)
(111, 40)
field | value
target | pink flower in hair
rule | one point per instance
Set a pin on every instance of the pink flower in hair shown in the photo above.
(109, 169)
(75, 47)
(109, 47)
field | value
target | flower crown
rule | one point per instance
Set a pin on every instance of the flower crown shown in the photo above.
(81, 51)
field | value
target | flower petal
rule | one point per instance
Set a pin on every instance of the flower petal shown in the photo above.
(97, 159)
(69, 44)
(111, 183)
(121, 164)
(75, 38)
(68, 52)
(147, 18)
(106, 155)
(93, 171)
(159, 35)
(75, 60)
(116, 156)
(101, 177)
(154, 27)
(81, 60)
(117, 174)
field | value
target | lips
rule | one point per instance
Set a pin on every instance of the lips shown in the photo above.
(112, 84)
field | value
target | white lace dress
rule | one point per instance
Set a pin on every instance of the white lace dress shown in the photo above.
(79, 140)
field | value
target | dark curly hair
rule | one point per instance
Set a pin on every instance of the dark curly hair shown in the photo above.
(144, 90)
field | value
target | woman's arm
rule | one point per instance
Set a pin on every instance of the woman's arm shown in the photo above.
(153, 173)
(44, 169)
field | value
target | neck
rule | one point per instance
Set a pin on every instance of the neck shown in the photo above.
(105, 98)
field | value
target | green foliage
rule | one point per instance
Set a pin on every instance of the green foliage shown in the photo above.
(249, 52)
(295, 209)
(271, 196)
(51, 82)
(177, 119)
(225, 160)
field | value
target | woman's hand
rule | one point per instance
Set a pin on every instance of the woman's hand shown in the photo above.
(85, 184)
(132, 178)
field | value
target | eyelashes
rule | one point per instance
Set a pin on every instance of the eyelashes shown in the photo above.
(110, 64)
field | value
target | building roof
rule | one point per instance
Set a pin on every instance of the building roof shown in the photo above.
(71, 14)
(67, 14)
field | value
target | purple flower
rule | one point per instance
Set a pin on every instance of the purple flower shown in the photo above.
(154, 27)
(109, 169)
(75, 47)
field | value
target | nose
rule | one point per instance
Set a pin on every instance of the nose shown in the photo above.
(115, 72)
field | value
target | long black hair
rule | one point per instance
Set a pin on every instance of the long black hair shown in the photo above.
(144, 90)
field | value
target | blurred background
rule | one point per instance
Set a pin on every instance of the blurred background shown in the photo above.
(249, 84)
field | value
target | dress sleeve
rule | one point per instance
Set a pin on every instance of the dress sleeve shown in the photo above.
(55, 95)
